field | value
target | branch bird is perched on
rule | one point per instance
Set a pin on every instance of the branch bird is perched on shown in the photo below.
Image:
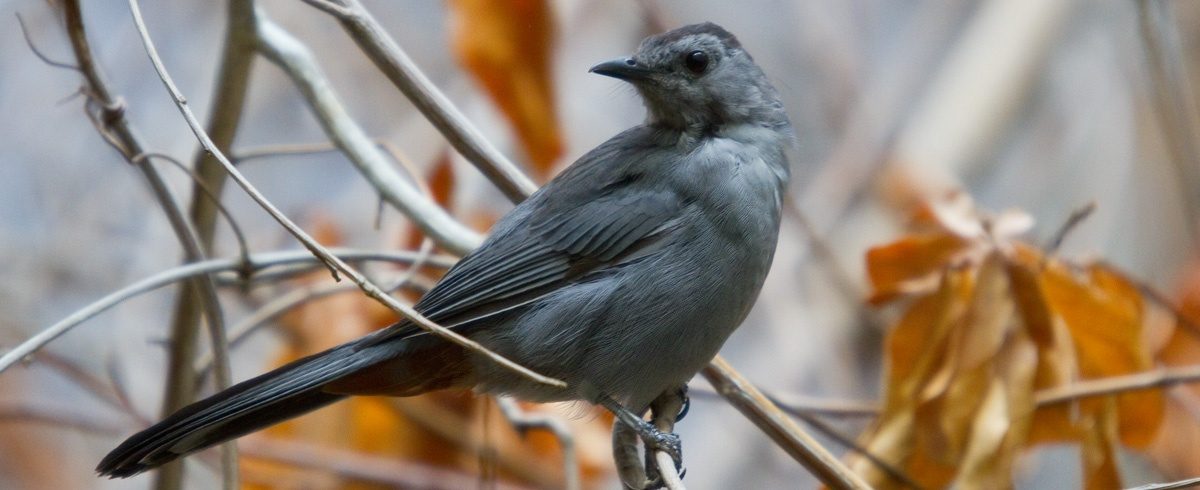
(622, 276)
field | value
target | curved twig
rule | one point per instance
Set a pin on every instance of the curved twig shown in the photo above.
(210, 193)
(170, 276)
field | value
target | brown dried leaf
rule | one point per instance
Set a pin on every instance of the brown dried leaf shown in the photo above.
(916, 346)
(1104, 315)
(910, 264)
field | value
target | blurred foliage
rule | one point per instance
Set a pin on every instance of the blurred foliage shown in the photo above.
(507, 47)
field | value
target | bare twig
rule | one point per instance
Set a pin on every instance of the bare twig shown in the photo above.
(54, 417)
(170, 276)
(1188, 483)
(360, 466)
(779, 427)
(824, 253)
(1118, 384)
(1077, 216)
(792, 403)
(523, 421)
(37, 52)
(211, 194)
(113, 397)
(267, 151)
(287, 52)
(396, 65)
(334, 263)
(849, 443)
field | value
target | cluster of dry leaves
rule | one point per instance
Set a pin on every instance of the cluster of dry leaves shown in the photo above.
(989, 327)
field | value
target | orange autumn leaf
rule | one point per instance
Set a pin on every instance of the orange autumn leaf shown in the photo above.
(1104, 314)
(507, 47)
(909, 264)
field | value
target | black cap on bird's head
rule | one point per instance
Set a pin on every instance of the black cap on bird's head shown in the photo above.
(698, 77)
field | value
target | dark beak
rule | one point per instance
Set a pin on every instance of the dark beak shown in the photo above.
(623, 68)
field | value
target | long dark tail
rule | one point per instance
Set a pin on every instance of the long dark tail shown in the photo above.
(276, 396)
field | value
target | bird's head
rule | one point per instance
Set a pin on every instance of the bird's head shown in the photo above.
(698, 78)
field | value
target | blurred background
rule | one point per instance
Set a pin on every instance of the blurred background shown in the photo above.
(1036, 105)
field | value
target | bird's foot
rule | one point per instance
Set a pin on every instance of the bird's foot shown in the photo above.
(652, 438)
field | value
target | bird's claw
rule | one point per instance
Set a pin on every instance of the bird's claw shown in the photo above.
(687, 403)
(672, 446)
(657, 440)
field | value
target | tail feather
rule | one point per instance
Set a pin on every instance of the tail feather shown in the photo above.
(243, 408)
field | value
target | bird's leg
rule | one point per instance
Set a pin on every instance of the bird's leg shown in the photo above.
(653, 438)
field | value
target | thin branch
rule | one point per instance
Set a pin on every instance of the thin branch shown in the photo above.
(793, 404)
(294, 58)
(170, 276)
(779, 427)
(1118, 384)
(1188, 483)
(821, 251)
(524, 421)
(284, 272)
(211, 194)
(849, 443)
(54, 417)
(387, 55)
(110, 396)
(1077, 216)
(320, 251)
(268, 151)
(37, 52)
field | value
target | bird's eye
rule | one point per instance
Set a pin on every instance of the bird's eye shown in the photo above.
(696, 62)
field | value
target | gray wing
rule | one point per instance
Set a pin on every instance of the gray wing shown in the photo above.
(591, 218)
(542, 255)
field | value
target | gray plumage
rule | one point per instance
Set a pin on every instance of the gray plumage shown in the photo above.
(622, 276)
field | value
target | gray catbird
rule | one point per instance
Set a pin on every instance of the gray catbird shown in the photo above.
(622, 276)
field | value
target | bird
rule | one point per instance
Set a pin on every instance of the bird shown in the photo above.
(622, 276)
